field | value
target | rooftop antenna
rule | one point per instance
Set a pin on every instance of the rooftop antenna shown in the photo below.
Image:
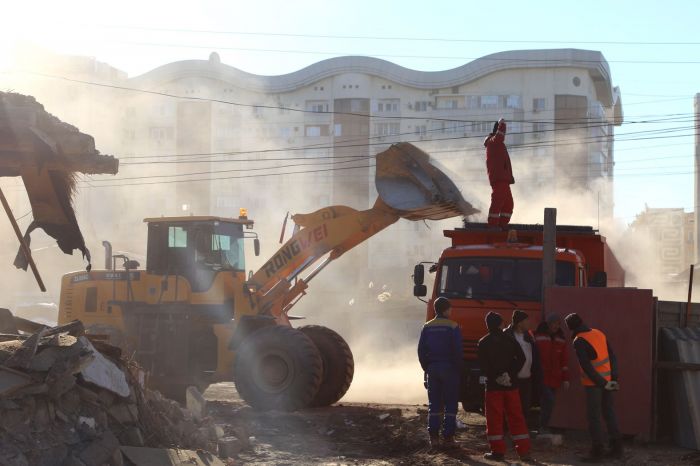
(598, 211)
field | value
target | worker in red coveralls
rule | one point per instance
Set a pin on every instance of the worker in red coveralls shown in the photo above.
(500, 360)
(554, 358)
(500, 176)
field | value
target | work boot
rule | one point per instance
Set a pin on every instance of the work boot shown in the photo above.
(615, 450)
(596, 455)
(449, 443)
(434, 441)
(493, 456)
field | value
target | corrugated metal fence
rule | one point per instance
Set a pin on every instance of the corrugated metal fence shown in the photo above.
(682, 346)
(672, 314)
(678, 365)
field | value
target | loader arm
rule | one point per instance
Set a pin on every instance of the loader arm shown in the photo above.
(409, 186)
(325, 234)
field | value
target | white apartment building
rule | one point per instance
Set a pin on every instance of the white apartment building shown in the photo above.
(328, 119)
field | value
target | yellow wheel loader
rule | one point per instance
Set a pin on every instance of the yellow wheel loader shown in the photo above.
(193, 317)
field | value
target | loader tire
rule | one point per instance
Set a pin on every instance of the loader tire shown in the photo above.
(279, 368)
(338, 364)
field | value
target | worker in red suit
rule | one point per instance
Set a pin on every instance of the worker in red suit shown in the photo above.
(500, 175)
(554, 356)
(500, 360)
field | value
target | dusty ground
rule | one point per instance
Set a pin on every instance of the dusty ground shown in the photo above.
(355, 433)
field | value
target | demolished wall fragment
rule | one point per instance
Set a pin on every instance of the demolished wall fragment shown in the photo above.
(71, 400)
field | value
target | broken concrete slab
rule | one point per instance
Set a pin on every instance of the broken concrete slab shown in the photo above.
(132, 437)
(241, 433)
(196, 403)
(60, 339)
(104, 373)
(11, 380)
(7, 322)
(230, 447)
(141, 456)
(101, 450)
(60, 411)
(11, 455)
(122, 414)
(22, 358)
(74, 328)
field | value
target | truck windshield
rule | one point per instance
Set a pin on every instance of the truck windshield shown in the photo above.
(498, 278)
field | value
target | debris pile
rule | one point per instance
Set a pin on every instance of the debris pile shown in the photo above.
(67, 399)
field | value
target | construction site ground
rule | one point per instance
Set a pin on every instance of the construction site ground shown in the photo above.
(367, 433)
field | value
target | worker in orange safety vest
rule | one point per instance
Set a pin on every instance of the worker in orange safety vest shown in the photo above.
(599, 378)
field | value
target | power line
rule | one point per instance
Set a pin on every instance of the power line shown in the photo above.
(539, 179)
(234, 177)
(422, 57)
(399, 38)
(653, 134)
(298, 110)
(408, 133)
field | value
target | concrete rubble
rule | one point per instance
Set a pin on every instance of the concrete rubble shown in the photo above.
(68, 400)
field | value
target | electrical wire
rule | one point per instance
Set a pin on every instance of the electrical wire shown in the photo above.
(299, 110)
(397, 38)
(421, 57)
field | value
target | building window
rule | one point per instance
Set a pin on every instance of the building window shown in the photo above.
(338, 130)
(387, 129)
(388, 106)
(489, 101)
(421, 106)
(482, 126)
(318, 106)
(538, 128)
(421, 130)
(451, 127)
(315, 131)
(161, 134)
(450, 102)
(513, 101)
(576, 81)
(285, 132)
(538, 104)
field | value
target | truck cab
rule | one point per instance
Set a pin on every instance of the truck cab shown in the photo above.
(491, 270)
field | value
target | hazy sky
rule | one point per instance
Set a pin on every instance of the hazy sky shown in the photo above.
(654, 161)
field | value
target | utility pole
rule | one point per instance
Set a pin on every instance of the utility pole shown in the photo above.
(549, 245)
(696, 193)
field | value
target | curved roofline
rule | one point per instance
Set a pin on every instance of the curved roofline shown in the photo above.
(592, 61)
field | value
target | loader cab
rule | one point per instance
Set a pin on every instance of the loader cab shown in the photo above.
(196, 248)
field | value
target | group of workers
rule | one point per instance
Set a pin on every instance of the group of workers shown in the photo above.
(515, 363)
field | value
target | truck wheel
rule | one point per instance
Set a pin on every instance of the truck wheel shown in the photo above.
(277, 367)
(338, 364)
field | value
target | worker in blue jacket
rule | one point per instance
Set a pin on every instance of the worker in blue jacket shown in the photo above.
(440, 356)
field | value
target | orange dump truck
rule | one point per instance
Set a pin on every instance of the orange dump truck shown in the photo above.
(490, 270)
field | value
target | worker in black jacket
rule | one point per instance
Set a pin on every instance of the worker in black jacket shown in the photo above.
(599, 378)
(500, 359)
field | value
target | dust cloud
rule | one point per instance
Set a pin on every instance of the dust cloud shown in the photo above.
(372, 309)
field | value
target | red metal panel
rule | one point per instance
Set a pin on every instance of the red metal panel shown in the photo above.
(625, 315)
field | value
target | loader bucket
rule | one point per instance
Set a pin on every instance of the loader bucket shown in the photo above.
(416, 189)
